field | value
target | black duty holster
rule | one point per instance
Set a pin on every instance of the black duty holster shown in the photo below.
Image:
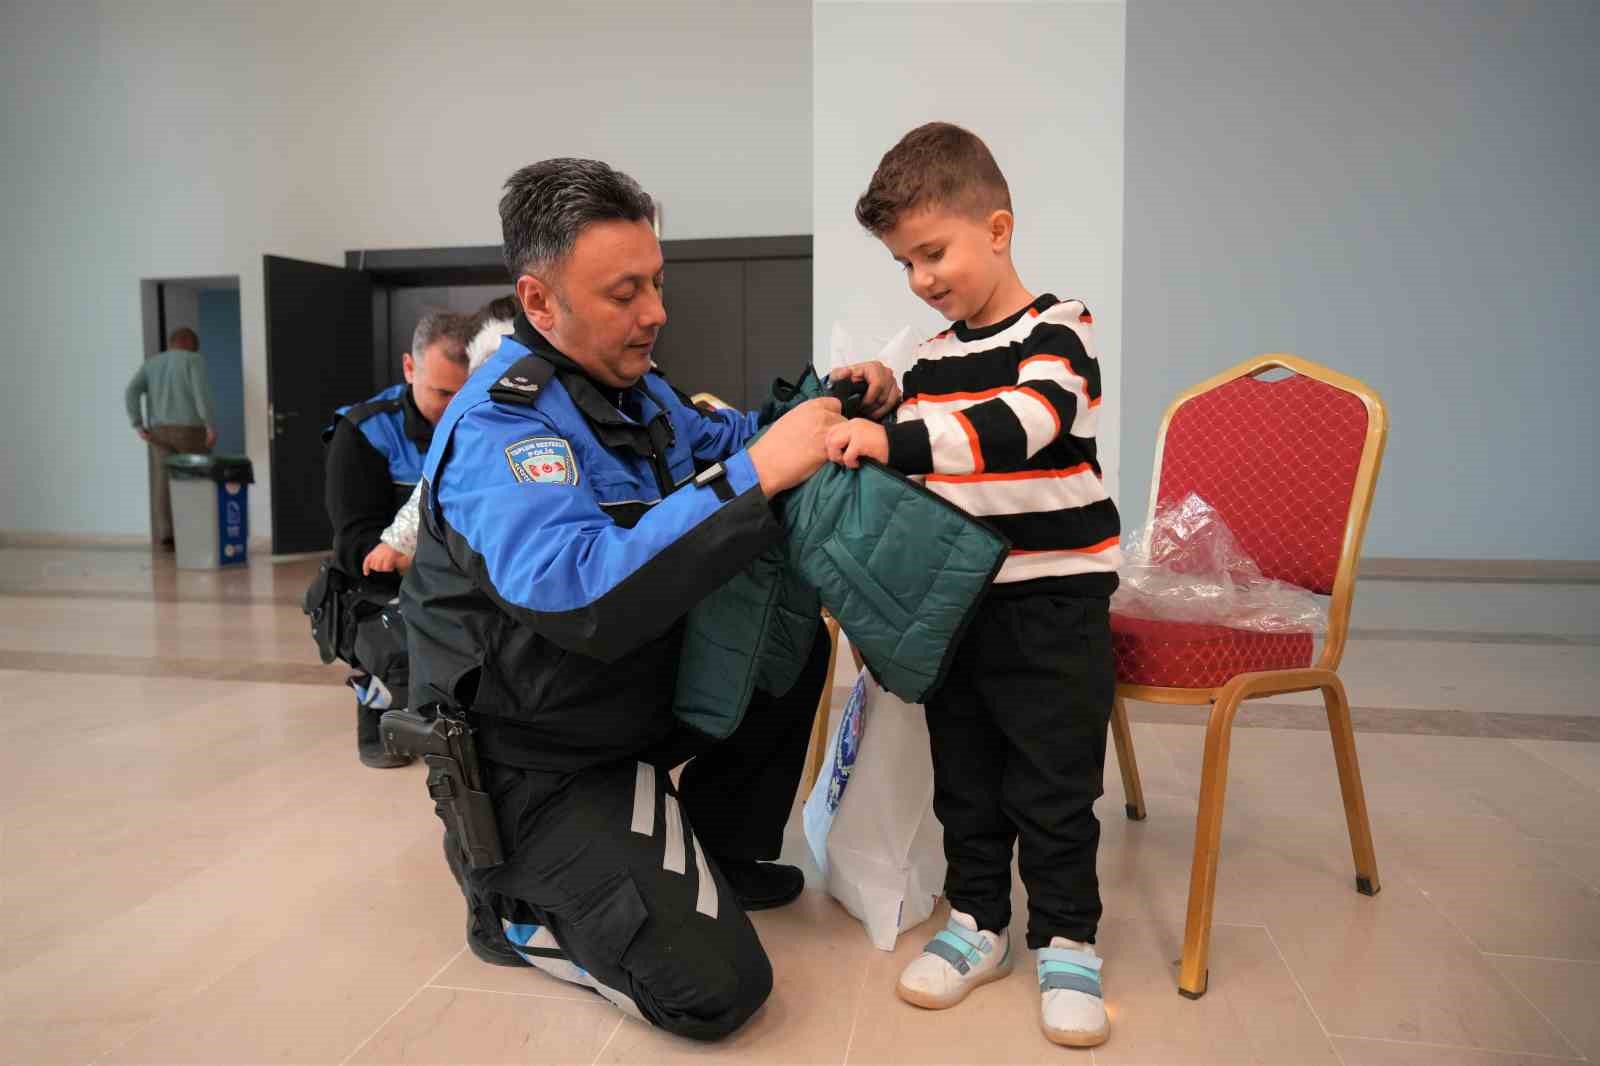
(455, 782)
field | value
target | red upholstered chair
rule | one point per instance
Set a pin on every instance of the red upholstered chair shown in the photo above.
(1290, 463)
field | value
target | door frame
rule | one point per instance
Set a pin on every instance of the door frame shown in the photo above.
(153, 335)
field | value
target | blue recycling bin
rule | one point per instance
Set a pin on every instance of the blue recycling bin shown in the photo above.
(210, 510)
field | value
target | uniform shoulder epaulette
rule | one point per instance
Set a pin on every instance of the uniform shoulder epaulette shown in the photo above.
(363, 411)
(523, 381)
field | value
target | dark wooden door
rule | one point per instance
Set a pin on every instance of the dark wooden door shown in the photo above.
(319, 356)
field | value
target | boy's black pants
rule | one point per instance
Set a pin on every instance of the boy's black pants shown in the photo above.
(1019, 752)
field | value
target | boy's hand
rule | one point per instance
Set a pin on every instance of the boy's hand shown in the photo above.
(794, 447)
(855, 440)
(883, 395)
(384, 559)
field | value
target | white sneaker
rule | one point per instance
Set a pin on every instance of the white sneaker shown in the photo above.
(1072, 1010)
(960, 958)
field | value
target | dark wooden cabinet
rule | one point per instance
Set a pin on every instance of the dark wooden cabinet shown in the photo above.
(738, 309)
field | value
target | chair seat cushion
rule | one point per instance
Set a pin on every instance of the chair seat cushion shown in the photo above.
(1196, 655)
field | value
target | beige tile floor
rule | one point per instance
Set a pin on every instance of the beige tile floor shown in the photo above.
(195, 869)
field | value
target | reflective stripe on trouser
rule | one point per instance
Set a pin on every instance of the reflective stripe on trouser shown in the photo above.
(606, 864)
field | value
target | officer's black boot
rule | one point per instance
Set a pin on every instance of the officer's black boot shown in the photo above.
(761, 886)
(369, 741)
(485, 935)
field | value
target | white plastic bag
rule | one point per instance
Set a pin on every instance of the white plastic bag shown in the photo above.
(869, 818)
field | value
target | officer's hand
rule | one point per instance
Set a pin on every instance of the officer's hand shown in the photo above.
(883, 395)
(384, 559)
(795, 446)
(850, 442)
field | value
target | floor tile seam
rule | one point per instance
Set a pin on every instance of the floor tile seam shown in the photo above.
(1507, 638)
(1539, 958)
(860, 1002)
(1560, 868)
(1504, 981)
(1460, 1047)
(1584, 785)
(23, 592)
(244, 674)
(119, 1045)
(1313, 723)
(1590, 884)
(1305, 997)
(398, 1010)
(614, 1031)
(508, 992)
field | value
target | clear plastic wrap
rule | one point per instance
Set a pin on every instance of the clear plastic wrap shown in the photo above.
(1188, 567)
(896, 353)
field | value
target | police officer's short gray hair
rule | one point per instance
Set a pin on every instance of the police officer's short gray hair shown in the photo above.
(438, 326)
(546, 204)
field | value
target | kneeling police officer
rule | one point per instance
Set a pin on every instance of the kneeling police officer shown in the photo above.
(575, 507)
(374, 460)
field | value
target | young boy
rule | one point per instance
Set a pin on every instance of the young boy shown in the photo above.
(999, 415)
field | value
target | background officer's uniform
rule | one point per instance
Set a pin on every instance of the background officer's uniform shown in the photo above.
(374, 460)
(564, 535)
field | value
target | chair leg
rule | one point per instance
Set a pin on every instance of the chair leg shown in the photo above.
(1193, 972)
(819, 722)
(1127, 761)
(1355, 796)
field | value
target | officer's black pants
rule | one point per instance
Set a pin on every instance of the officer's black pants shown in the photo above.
(622, 867)
(1019, 749)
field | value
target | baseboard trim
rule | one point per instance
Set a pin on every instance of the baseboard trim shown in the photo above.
(260, 547)
(114, 541)
(1483, 571)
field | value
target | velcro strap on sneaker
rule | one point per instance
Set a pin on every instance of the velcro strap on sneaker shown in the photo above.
(975, 939)
(1066, 968)
(953, 951)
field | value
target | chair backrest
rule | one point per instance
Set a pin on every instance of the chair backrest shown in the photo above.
(1289, 464)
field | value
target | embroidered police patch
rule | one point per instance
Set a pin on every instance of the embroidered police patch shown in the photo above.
(542, 461)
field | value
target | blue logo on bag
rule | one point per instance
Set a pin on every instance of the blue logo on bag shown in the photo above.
(844, 759)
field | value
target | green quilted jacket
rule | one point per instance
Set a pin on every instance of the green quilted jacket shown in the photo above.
(902, 571)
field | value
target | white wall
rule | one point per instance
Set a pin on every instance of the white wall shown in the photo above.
(181, 139)
(1042, 84)
(1405, 191)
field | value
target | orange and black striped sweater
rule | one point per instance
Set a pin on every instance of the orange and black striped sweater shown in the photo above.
(1001, 420)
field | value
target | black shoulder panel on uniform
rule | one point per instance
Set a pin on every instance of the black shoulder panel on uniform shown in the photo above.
(522, 381)
(363, 411)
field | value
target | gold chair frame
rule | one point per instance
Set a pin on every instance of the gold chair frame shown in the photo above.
(1225, 700)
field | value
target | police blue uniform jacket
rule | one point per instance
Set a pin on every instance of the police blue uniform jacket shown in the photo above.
(374, 460)
(564, 534)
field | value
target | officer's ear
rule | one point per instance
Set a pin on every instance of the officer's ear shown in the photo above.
(410, 367)
(538, 299)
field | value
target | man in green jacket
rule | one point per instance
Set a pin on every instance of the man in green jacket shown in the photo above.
(176, 416)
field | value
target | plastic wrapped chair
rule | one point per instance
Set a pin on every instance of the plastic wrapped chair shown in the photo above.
(1290, 462)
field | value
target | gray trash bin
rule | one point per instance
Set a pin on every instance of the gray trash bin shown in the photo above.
(210, 509)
